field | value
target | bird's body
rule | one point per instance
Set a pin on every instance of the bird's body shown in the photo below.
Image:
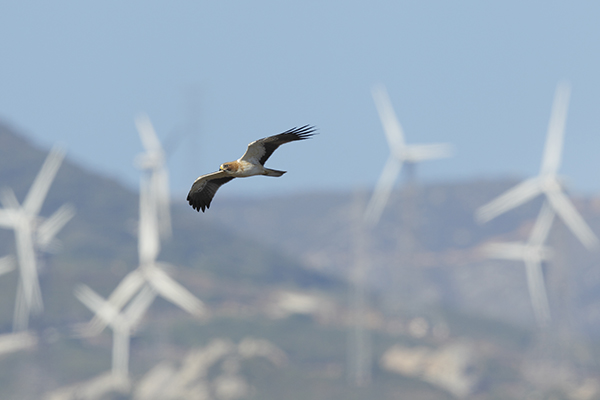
(244, 169)
(250, 164)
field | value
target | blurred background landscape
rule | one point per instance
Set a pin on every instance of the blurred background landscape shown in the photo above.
(301, 299)
(291, 285)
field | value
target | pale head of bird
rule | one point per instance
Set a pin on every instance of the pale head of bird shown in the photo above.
(227, 167)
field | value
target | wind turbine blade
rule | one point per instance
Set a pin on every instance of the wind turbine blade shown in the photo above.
(7, 264)
(556, 130)
(537, 292)
(510, 199)
(49, 228)
(147, 134)
(8, 218)
(505, 251)
(126, 289)
(391, 126)
(382, 191)
(571, 217)
(542, 226)
(37, 194)
(9, 199)
(124, 292)
(94, 302)
(139, 305)
(99, 306)
(174, 292)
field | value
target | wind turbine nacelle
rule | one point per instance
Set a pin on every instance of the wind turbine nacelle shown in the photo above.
(148, 161)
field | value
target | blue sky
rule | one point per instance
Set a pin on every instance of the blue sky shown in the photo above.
(480, 75)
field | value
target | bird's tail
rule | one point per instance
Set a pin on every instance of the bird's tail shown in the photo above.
(274, 172)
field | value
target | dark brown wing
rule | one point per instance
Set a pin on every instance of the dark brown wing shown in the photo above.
(204, 188)
(260, 150)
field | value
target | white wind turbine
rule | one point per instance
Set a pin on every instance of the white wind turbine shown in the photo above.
(154, 163)
(149, 272)
(33, 233)
(121, 323)
(546, 182)
(532, 253)
(400, 153)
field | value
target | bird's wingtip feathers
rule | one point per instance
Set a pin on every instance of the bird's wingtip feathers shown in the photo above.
(195, 205)
(303, 132)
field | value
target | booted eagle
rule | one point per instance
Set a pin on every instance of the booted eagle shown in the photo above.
(251, 163)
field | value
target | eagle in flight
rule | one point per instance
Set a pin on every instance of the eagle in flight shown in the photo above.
(251, 163)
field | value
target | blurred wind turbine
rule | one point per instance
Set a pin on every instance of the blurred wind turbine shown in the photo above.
(48, 229)
(33, 233)
(547, 181)
(122, 324)
(400, 153)
(153, 161)
(149, 272)
(532, 253)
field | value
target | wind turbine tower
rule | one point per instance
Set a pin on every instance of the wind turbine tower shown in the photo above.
(401, 154)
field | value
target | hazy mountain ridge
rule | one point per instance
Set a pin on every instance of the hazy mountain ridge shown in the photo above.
(242, 253)
(289, 233)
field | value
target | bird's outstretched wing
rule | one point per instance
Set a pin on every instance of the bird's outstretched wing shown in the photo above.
(260, 150)
(204, 188)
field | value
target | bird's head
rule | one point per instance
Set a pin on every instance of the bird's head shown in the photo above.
(225, 167)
